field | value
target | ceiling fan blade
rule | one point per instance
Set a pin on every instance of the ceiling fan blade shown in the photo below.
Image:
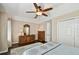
(40, 8)
(30, 12)
(36, 16)
(36, 6)
(47, 9)
(44, 14)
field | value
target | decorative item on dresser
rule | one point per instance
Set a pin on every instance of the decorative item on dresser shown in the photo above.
(26, 39)
(41, 36)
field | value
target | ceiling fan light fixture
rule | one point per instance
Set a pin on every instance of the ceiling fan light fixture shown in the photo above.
(39, 13)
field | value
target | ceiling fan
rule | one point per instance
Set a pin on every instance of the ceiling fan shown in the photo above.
(39, 11)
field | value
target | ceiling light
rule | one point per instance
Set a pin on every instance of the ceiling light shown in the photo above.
(39, 13)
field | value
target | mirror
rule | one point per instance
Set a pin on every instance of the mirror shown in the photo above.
(26, 29)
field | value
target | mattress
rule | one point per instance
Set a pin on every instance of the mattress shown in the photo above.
(64, 50)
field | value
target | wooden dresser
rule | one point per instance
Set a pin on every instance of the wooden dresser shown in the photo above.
(41, 36)
(26, 39)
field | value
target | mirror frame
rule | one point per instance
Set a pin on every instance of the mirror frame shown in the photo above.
(24, 30)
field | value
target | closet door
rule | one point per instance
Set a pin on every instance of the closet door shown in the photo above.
(76, 32)
(66, 32)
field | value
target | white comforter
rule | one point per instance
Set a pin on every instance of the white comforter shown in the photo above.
(41, 49)
(20, 50)
(64, 50)
(52, 49)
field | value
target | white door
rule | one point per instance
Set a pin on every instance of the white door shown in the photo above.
(65, 31)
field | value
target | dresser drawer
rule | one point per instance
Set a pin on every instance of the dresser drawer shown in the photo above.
(26, 39)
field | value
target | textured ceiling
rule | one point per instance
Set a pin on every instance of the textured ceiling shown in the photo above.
(19, 9)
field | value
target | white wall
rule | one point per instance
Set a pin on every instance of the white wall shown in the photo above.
(3, 32)
(47, 27)
(0, 33)
(17, 29)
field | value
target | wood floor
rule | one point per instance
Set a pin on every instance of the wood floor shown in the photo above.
(17, 45)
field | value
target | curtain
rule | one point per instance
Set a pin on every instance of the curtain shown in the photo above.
(48, 31)
(9, 33)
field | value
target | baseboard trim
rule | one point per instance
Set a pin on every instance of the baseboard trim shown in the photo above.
(4, 51)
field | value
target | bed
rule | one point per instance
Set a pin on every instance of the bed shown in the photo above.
(64, 50)
(41, 49)
(52, 49)
(20, 50)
